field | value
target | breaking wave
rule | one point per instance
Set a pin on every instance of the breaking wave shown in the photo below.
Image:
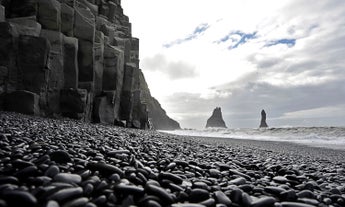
(329, 137)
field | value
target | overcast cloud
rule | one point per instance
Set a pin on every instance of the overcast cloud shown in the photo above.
(286, 57)
(173, 69)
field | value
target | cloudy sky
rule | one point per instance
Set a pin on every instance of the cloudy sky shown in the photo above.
(286, 56)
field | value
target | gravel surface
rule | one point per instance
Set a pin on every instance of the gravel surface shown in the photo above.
(46, 162)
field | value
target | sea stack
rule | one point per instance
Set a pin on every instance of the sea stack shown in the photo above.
(216, 120)
(263, 123)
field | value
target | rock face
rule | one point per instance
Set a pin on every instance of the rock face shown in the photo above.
(74, 58)
(263, 123)
(216, 120)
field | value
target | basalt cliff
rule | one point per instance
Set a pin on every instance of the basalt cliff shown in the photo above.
(77, 59)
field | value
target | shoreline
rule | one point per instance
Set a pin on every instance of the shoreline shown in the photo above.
(275, 146)
(322, 145)
(53, 162)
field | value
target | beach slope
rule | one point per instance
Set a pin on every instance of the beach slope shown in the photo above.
(47, 162)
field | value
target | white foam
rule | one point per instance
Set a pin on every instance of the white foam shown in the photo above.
(329, 137)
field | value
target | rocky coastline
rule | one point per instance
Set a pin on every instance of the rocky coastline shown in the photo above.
(55, 162)
(76, 59)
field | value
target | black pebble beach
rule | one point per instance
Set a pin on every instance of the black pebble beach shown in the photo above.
(52, 163)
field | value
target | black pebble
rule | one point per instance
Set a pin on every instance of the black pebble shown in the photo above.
(20, 198)
(60, 156)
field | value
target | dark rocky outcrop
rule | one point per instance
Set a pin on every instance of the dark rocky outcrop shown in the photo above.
(216, 120)
(74, 58)
(263, 123)
(159, 117)
(22, 101)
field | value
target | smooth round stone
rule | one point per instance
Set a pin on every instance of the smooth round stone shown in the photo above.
(201, 185)
(246, 199)
(117, 152)
(153, 182)
(52, 171)
(306, 194)
(222, 198)
(327, 201)
(60, 156)
(152, 203)
(295, 204)
(215, 173)
(246, 187)
(115, 177)
(141, 177)
(105, 169)
(66, 194)
(341, 201)
(309, 201)
(274, 190)
(20, 198)
(208, 202)
(27, 172)
(237, 181)
(171, 166)
(100, 200)
(335, 191)
(289, 195)
(52, 204)
(159, 192)
(187, 205)
(169, 176)
(236, 195)
(224, 167)
(148, 198)
(235, 172)
(310, 186)
(198, 195)
(90, 204)
(77, 202)
(280, 179)
(67, 178)
(264, 202)
(18, 163)
(41, 180)
(8, 180)
(175, 188)
(42, 159)
(101, 186)
(182, 163)
(129, 189)
(3, 203)
(88, 189)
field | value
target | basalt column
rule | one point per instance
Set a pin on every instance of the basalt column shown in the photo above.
(73, 58)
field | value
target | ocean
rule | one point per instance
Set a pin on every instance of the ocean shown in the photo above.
(327, 137)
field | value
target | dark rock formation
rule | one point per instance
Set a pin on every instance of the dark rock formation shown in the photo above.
(159, 117)
(216, 120)
(263, 123)
(74, 58)
(24, 102)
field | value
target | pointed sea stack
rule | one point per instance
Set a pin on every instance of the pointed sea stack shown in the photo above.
(263, 123)
(216, 120)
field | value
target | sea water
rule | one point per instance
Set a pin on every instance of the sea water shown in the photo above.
(328, 137)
